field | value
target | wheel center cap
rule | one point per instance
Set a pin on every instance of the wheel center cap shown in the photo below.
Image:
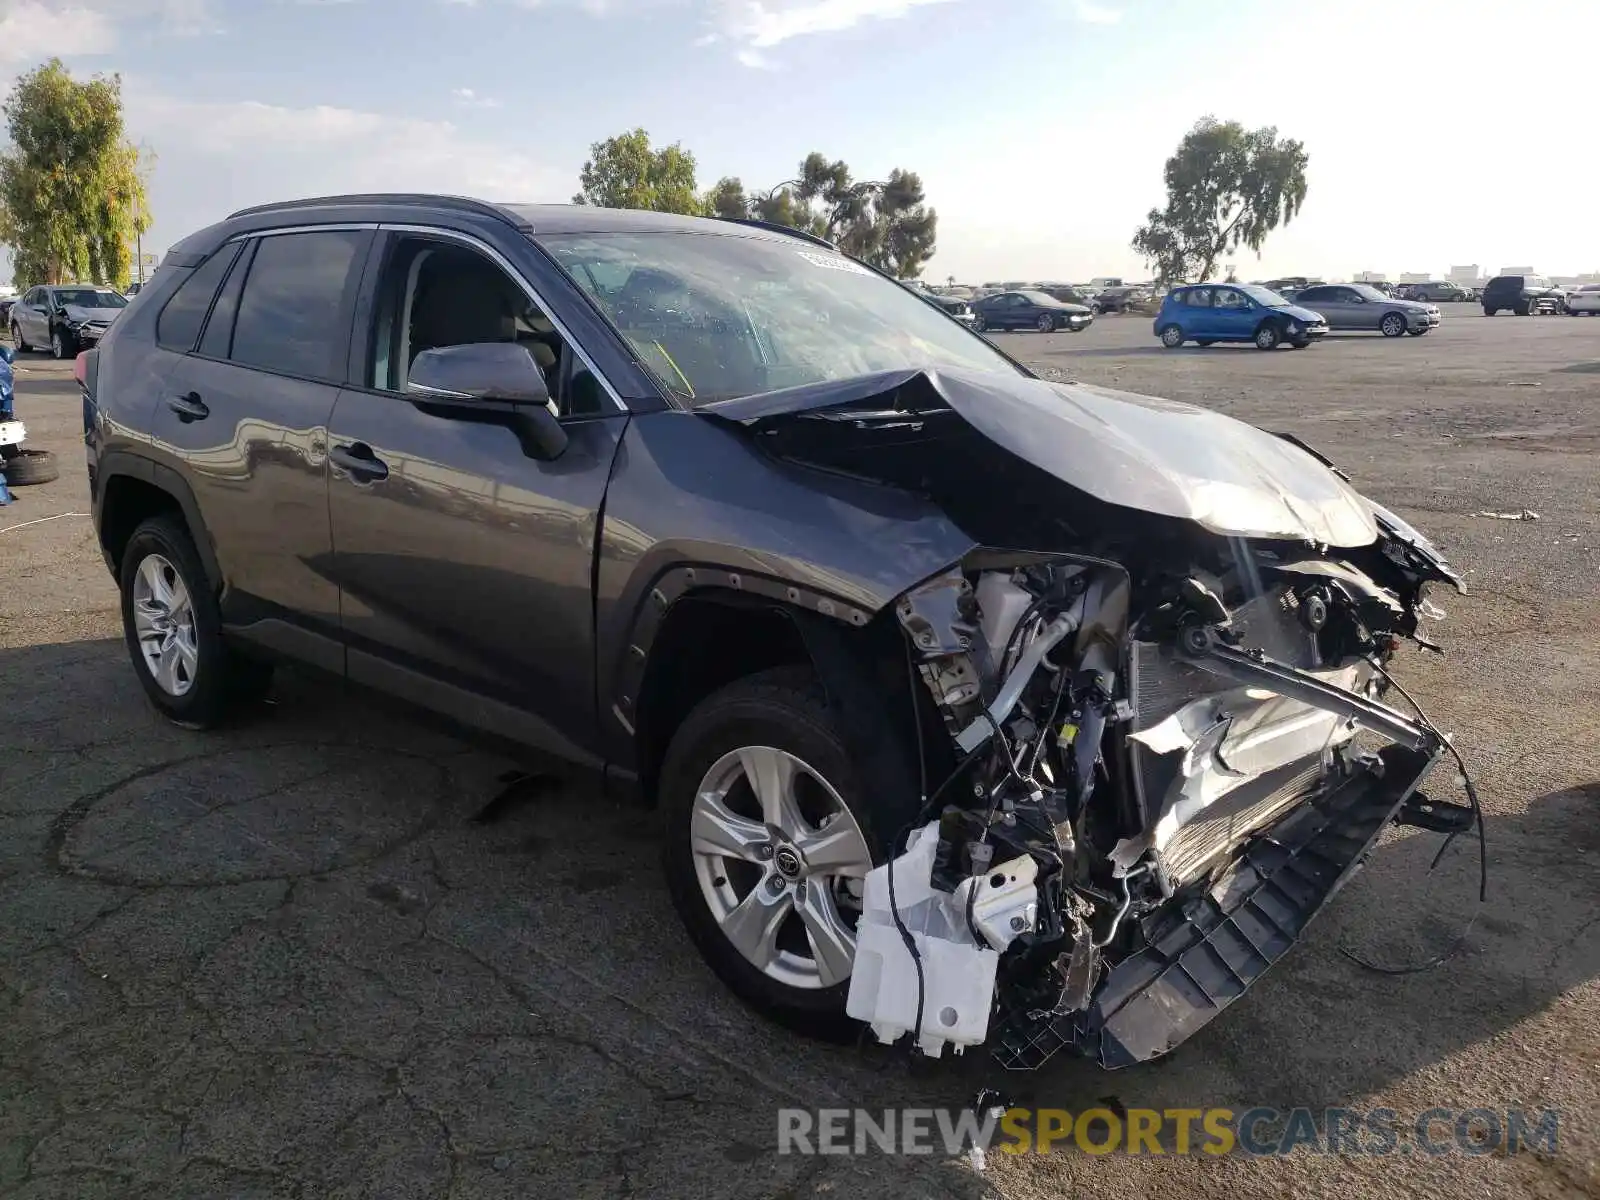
(788, 862)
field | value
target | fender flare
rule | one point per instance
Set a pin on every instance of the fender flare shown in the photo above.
(131, 465)
(686, 579)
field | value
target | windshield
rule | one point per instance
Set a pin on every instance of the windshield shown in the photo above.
(1262, 295)
(714, 316)
(90, 298)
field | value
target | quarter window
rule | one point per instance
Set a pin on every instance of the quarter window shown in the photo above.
(289, 317)
(179, 323)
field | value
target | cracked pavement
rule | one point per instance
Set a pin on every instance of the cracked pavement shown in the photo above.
(333, 952)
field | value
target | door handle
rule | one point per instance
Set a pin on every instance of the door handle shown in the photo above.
(358, 459)
(189, 407)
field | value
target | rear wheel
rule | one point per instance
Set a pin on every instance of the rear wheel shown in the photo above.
(173, 629)
(1172, 337)
(17, 340)
(1392, 325)
(1268, 337)
(768, 842)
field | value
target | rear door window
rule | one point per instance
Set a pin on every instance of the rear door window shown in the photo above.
(178, 326)
(294, 314)
(1198, 298)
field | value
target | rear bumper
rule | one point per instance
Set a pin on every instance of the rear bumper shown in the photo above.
(1202, 951)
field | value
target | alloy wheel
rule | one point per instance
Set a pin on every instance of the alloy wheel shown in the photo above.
(780, 861)
(58, 346)
(164, 620)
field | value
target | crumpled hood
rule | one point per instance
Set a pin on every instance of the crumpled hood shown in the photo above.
(79, 313)
(1301, 313)
(1140, 452)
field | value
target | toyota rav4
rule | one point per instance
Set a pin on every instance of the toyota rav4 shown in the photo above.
(976, 707)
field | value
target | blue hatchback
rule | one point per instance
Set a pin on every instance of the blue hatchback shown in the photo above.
(1227, 312)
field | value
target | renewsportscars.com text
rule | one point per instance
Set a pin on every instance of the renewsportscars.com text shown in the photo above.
(1173, 1131)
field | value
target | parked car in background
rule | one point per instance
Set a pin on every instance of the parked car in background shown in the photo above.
(65, 317)
(1358, 306)
(1524, 295)
(1223, 312)
(1030, 310)
(133, 289)
(1437, 290)
(957, 306)
(1584, 300)
(1121, 299)
(5, 310)
(1070, 294)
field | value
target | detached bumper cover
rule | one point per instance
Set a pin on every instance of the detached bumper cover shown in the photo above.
(1201, 954)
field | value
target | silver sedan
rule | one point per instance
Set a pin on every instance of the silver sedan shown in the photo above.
(1355, 306)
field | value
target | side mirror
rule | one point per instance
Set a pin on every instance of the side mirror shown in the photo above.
(496, 383)
(7, 354)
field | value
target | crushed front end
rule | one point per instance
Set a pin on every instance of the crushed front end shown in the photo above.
(1160, 772)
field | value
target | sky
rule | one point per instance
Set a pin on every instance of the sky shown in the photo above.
(1436, 129)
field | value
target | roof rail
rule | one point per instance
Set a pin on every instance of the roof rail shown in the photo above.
(460, 203)
(804, 235)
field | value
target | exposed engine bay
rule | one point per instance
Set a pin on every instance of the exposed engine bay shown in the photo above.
(1167, 741)
(1122, 738)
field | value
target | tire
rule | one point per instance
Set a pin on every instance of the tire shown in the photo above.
(209, 683)
(1045, 324)
(1489, 312)
(1267, 337)
(1393, 325)
(1205, 341)
(781, 712)
(979, 325)
(1172, 337)
(27, 467)
(18, 342)
(62, 345)
(1524, 309)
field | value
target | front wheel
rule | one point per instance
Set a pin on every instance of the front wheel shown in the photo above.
(979, 325)
(768, 842)
(1045, 323)
(1489, 312)
(1172, 337)
(62, 345)
(1268, 337)
(1392, 325)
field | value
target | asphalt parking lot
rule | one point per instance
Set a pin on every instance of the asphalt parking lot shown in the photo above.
(334, 953)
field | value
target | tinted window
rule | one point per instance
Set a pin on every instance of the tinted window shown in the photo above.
(289, 314)
(217, 340)
(180, 321)
(1314, 294)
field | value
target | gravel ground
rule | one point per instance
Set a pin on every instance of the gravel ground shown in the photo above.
(335, 953)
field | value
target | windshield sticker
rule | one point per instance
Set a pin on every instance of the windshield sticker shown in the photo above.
(833, 262)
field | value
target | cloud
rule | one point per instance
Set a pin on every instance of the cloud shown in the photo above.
(34, 30)
(1096, 14)
(216, 157)
(754, 59)
(763, 24)
(468, 98)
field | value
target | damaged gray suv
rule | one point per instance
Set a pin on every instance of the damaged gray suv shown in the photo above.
(976, 708)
